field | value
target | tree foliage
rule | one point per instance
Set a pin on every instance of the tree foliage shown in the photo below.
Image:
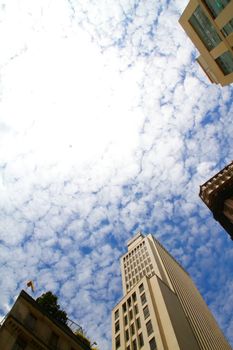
(82, 335)
(48, 301)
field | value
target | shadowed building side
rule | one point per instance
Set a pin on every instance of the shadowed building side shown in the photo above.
(217, 194)
(27, 326)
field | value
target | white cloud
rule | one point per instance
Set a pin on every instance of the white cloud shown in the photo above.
(106, 124)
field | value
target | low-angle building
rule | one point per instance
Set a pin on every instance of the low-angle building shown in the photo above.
(28, 327)
(161, 307)
(209, 24)
(217, 194)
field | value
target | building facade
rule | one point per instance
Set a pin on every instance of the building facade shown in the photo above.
(217, 194)
(28, 327)
(161, 308)
(209, 24)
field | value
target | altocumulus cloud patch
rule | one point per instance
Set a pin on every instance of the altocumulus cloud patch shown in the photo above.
(107, 126)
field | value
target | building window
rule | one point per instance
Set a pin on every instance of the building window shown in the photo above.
(20, 344)
(129, 302)
(141, 341)
(131, 314)
(143, 298)
(128, 347)
(126, 320)
(31, 321)
(127, 335)
(216, 6)
(53, 341)
(204, 29)
(118, 341)
(152, 343)
(136, 309)
(132, 329)
(134, 345)
(138, 323)
(146, 312)
(228, 28)
(116, 314)
(141, 288)
(117, 326)
(225, 62)
(149, 328)
(124, 307)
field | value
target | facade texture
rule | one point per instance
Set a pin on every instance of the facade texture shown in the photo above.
(209, 24)
(28, 327)
(217, 194)
(161, 308)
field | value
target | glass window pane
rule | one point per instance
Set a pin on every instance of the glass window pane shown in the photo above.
(143, 298)
(149, 328)
(228, 28)
(141, 341)
(138, 323)
(132, 329)
(152, 343)
(225, 62)
(20, 344)
(117, 326)
(53, 341)
(31, 321)
(216, 6)
(204, 29)
(141, 287)
(116, 314)
(118, 342)
(146, 312)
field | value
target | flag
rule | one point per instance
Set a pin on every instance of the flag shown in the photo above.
(31, 284)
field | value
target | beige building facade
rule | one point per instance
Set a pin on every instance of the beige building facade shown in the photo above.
(217, 194)
(161, 308)
(28, 327)
(209, 24)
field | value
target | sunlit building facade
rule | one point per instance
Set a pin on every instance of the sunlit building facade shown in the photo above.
(28, 327)
(209, 24)
(217, 194)
(161, 307)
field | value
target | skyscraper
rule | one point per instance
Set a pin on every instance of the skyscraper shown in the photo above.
(161, 307)
(209, 24)
(217, 194)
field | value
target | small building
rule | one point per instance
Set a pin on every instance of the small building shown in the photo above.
(28, 327)
(209, 24)
(217, 194)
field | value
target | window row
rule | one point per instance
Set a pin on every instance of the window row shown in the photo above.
(136, 260)
(21, 343)
(152, 343)
(204, 29)
(141, 247)
(216, 6)
(138, 265)
(130, 273)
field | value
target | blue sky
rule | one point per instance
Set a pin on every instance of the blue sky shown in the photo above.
(107, 126)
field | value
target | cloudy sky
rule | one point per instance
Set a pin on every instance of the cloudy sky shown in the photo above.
(107, 126)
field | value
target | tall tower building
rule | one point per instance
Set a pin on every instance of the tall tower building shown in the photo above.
(161, 308)
(217, 194)
(209, 24)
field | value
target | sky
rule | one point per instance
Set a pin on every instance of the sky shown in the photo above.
(107, 126)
